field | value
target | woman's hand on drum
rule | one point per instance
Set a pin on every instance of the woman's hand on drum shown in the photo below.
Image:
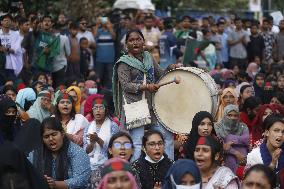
(152, 87)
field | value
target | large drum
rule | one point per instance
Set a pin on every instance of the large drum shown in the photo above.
(176, 104)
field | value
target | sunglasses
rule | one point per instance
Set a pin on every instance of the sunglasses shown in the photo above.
(118, 145)
(84, 23)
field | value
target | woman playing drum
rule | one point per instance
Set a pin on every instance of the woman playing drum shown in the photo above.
(128, 80)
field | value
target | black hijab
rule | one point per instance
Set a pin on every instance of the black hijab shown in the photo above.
(189, 146)
(16, 170)
(7, 123)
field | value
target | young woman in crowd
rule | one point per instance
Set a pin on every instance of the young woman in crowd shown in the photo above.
(259, 176)
(98, 133)
(117, 173)
(235, 137)
(202, 125)
(153, 164)
(75, 93)
(63, 163)
(257, 131)
(73, 124)
(245, 92)
(277, 98)
(228, 96)
(271, 151)
(41, 108)
(120, 146)
(128, 77)
(249, 111)
(9, 124)
(207, 152)
(41, 77)
(182, 174)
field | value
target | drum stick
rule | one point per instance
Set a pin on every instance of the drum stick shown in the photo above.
(175, 80)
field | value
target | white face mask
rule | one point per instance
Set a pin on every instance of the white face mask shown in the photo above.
(93, 91)
(174, 185)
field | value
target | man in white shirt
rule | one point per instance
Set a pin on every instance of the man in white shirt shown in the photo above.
(11, 46)
(83, 32)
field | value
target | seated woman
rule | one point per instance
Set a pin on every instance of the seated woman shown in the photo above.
(259, 176)
(63, 163)
(120, 146)
(207, 152)
(271, 151)
(202, 125)
(182, 174)
(73, 124)
(98, 133)
(245, 92)
(249, 111)
(117, 172)
(153, 164)
(9, 124)
(257, 131)
(235, 136)
(41, 108)
(228, 96)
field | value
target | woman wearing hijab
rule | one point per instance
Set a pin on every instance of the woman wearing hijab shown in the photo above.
(228, 96)
(185, 174)
(206, 155)
(235, 134)
(25, 98)
(117, 172)
(75, 93)
(9, 125)
(41, 108)
(202, 125)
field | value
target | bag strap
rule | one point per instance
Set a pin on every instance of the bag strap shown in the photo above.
(144, 83)
(143, 95)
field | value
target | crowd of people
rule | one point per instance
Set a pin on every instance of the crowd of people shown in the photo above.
(66, 83)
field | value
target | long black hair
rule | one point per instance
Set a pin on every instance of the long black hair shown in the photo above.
(43, 158)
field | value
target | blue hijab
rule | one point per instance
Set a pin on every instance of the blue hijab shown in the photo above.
(178, 170)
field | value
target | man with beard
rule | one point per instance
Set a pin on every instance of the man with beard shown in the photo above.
(249, 111)
(9, 126)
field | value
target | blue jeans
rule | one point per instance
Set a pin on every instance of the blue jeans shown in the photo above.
(137, 134)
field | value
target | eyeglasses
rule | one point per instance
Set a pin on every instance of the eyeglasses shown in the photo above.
(154, 144)
(97, 108)
(126, 145)
(83, 23)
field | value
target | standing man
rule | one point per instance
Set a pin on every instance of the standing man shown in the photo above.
(224, 44)
(237, 40)
(256, 45)
(105, 50)
(11, 46)
(280, 42)
(151, 34)
(83, 32)
(269, 41)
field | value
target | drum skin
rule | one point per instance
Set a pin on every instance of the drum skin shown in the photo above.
(176, 104)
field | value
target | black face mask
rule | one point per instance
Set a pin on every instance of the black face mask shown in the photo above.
(9, 120)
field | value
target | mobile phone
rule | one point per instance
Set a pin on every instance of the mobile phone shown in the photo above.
(103, 20)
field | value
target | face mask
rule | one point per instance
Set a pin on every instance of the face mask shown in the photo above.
(231, 123)
(93, 91)
(9, 120)
(174, 185)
